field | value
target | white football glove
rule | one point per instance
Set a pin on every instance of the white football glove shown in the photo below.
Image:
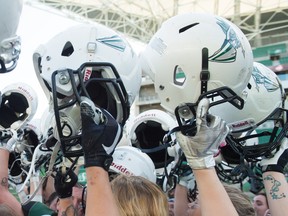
(211, 131)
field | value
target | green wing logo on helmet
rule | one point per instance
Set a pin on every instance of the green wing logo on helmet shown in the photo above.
(115, 42)
(228, 51)
(259, 78)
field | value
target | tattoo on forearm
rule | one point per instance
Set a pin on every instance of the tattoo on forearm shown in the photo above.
(70, 210)
(274, 192)
(4, 182)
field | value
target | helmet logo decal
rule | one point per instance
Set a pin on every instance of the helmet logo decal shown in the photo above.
(268, 83)
(228, 51)
(114, 42)
(122, 169)
(87, 73)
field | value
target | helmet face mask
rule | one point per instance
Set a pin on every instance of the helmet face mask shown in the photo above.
(263, 112)
(264, 94)
(10, 43)
(99, 64)
(107, 93)
(10, 50)
(187, 111)
(269, 138)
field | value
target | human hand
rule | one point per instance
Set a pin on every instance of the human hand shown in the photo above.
(211, 131)
(100, 135)
(64, 183)
(8, 139)
(278, 161)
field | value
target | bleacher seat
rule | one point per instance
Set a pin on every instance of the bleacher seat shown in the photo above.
(266, 51)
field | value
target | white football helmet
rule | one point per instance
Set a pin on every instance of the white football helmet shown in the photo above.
(264, 95)
(18, 106)
(129, 160)
(29, 137)
(10, 43)
(198, 55)
(263, 112)
(88, 60)
(147, 132)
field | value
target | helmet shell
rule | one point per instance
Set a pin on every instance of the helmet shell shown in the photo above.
(10, 42)
(19, 105)
(173, 58)
(264, 94)
(129, 160)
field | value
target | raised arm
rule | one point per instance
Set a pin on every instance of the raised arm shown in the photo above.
(6, 198)
(274, 180)
(100, 135)
(199, 151)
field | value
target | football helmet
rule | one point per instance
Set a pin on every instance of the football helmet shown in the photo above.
(18, 106)
(88, 60)
(263, 112)
(28, 137)
(129, 160)
(196, 55)
(10, 43)
(264, 94)
(150, 131)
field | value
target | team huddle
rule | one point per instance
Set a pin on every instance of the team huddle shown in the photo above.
(222, 123)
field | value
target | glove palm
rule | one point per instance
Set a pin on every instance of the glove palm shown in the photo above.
(211, 130)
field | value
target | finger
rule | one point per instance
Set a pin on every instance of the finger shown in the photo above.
(109, 119)
(202, 107)
(201, 112)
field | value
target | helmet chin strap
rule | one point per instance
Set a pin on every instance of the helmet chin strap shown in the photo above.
(204, 74)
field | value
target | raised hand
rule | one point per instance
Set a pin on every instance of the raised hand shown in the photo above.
(211, 131)
(100, 135)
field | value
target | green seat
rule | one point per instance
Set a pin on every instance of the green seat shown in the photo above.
(269, 50)
(283, 60)
(266, 62)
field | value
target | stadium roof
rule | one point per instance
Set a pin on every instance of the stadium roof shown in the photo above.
(260, 20)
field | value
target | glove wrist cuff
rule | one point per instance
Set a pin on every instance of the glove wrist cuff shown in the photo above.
(201, 162)
(273, 168)
(99, 161)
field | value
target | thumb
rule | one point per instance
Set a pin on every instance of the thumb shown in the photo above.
(201, 112)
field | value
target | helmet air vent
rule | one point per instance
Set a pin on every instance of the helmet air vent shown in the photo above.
(68, 49)
(187, 27)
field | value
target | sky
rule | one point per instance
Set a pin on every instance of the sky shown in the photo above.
(37, 25)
